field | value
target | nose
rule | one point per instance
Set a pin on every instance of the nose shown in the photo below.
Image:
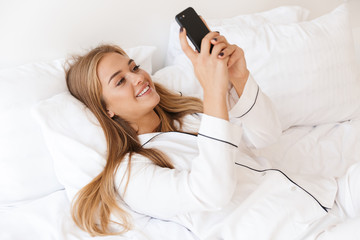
(137, 78)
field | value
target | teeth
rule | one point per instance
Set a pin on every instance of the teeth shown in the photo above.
(143, 91)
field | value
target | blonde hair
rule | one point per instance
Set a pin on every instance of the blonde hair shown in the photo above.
(97, 201)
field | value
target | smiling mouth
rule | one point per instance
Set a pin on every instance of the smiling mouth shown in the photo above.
(143, 91)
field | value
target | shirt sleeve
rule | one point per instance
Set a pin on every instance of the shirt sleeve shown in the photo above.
(256, 114)
(208, 185)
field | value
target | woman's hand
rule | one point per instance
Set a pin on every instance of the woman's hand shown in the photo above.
(211, 71)
(238, 72)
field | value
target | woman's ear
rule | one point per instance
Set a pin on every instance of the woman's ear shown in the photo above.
(110, 113)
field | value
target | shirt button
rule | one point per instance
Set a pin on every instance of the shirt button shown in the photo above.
(293, 188)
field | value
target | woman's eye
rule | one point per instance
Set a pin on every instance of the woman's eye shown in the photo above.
(136, 68)
(120, 81)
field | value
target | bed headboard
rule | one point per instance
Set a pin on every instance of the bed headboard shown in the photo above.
(48, 29)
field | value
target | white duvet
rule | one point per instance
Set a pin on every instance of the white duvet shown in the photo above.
(327, 150)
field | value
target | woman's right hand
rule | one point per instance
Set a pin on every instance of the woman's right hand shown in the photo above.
(211, 71)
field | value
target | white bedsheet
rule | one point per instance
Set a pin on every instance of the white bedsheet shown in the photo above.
(48, 218)
(327, 150)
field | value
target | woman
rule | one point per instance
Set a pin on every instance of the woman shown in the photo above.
(168, 161)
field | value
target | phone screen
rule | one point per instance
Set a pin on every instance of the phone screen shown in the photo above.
(195, 27)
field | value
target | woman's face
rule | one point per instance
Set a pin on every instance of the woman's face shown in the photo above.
(127, 89)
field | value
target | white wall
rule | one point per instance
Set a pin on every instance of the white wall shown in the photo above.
(32, 30)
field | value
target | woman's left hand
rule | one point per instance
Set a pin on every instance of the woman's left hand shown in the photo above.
(238, 72)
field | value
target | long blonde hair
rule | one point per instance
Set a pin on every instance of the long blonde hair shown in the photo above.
(94, 203)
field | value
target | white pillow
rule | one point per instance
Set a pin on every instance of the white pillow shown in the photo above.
(74, 138)
(179, 77)
(284, 14)
(26, 167)
(308, 69)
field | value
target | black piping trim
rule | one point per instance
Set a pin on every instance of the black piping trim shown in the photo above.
(218, 140)
(188, 134)
(192, 134)
(164, 220)
(273, 169)
(257, 94)
(152, 138)
(167, 132)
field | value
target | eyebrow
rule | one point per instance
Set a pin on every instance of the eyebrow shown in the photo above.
(117, 72)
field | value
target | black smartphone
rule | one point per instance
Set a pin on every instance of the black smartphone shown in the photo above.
(195, 27)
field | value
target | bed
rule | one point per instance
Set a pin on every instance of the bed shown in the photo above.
(305, 57)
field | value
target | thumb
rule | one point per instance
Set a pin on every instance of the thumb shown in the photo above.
(189, 52)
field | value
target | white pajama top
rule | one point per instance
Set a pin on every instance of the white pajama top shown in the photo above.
(217, 189)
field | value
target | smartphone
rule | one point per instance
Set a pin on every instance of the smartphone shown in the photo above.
(195, 27)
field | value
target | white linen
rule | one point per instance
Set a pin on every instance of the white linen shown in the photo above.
(26, 170)
(279, 15)
(325, 150)
(48, 217)
(308, 69)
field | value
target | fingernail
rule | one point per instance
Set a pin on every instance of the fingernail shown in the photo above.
(221, 54)
(215, 39)
(181, 29)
